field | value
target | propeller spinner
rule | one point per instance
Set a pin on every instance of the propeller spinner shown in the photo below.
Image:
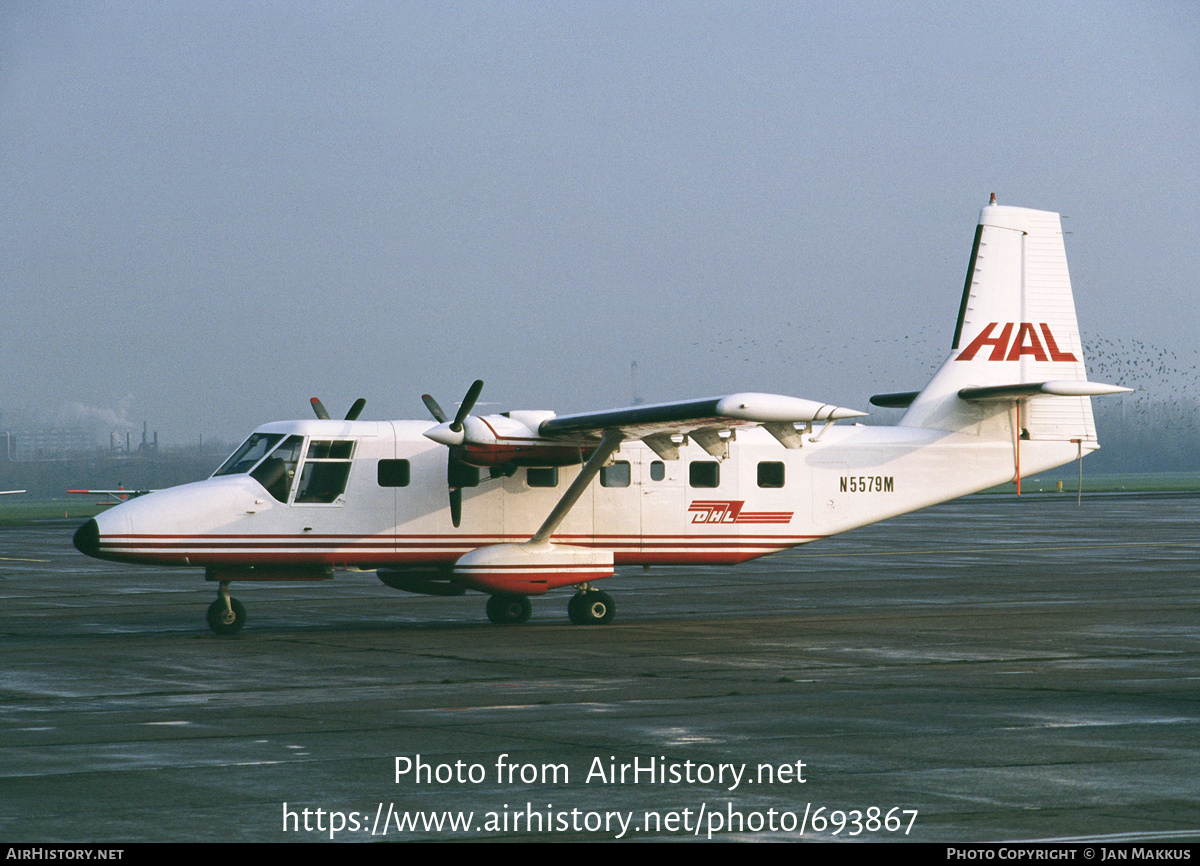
(451, 433)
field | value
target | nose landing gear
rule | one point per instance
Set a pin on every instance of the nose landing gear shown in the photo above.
(226, 615)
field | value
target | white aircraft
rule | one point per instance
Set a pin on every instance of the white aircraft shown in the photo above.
(7, 492)
(520, 503)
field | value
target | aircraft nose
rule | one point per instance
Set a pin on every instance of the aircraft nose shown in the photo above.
(87, 538)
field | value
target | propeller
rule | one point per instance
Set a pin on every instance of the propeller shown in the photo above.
(451, 433)
(352, 415)
(458, 473)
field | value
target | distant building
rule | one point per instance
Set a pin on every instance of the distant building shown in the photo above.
(30, 443)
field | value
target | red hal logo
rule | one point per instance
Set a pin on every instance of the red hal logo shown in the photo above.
(1026, 342)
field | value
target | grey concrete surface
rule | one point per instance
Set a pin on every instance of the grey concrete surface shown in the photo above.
(1010, 669)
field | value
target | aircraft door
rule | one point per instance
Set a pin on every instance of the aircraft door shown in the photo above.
(663, 499)
(391, 475)
(618, 514)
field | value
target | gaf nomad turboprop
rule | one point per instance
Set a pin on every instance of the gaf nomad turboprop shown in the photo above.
(517, 504)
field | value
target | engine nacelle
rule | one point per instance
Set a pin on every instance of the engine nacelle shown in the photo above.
(509, 439)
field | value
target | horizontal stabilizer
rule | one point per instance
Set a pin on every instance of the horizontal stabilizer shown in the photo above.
(899, 400)
(1056, 388)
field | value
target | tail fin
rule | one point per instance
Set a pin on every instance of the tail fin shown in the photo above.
(1017, 339)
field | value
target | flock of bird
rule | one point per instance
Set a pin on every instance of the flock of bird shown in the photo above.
(1155, 427)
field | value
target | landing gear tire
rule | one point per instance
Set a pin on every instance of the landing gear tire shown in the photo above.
(509, 609)
(226, 619)
(591, 608)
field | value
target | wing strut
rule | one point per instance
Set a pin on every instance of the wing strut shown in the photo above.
(608, 445)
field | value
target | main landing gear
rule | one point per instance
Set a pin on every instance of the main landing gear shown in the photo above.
(591, 607)
(587, 607)
(226, 615)
(509, 609)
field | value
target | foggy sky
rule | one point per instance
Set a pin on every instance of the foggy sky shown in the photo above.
(214, 211)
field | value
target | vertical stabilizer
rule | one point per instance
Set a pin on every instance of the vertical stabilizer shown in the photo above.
(1016, 326)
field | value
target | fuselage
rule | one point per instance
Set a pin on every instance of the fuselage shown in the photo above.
(370, 495)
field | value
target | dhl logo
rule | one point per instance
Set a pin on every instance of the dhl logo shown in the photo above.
(1026, 342)
(727, 511)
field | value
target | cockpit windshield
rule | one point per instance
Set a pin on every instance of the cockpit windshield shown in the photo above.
(253, 449)
(271, 464)
(271, 460)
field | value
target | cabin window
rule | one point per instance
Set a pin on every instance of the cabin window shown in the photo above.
(326, 470)
(277, 472)
(542, 476)
(394, 473)
(705, 473)
(658, 470)
(617, 475)
(770, 474)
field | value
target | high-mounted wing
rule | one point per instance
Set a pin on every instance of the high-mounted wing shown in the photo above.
(684, 416)
(701, 420)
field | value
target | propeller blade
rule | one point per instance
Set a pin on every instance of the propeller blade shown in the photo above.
(467, 405)
(434, 409)
(319, 408)
(458, 474)
(356, 409)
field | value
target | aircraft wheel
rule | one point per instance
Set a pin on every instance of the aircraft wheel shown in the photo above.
(506, 609)
(591, 608)
(226, 620)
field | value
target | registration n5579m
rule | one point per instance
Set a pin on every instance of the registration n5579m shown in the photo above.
(866, 484)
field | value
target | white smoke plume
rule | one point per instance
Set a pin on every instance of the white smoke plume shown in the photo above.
(75, 414)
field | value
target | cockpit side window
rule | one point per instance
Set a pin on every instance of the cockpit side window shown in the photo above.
(326, 471)
(279, 469)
